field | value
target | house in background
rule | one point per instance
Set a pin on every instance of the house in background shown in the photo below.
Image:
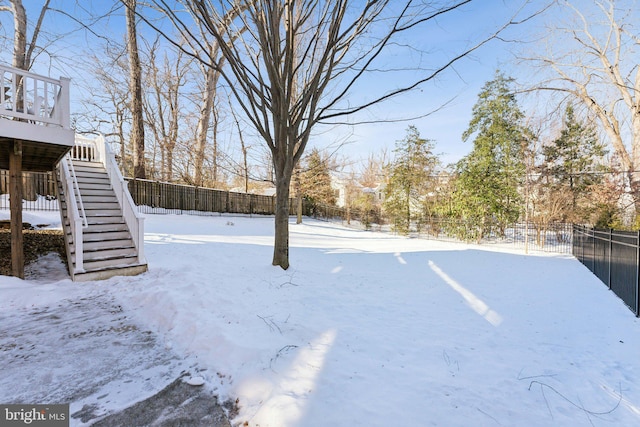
(347, 189)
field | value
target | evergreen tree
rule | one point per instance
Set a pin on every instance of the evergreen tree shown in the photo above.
(572, 160)
(315, 179)
(409, 176)
(489, 177)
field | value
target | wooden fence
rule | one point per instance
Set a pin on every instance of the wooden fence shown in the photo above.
(153, 195)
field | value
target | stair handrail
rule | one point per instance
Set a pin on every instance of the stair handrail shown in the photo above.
(76, 222)
(133, 218)
(76, 191)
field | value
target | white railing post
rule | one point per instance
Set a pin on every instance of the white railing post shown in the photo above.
(77, 240)
(101, 151)
(140, 244)
(63, 102)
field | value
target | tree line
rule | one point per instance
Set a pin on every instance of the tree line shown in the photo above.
(512, 173)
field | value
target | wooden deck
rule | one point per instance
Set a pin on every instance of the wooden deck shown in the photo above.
(35, 133)
(34, 115)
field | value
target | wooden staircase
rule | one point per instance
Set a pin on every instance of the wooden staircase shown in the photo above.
(108, 248)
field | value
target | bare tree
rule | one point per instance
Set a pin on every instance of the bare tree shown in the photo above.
(372, 173)
(165, 78)
(23, 51)
(135, 88)
(208, 107)
(211, 77)
(108, 105)
(593, 59)
(297, 64)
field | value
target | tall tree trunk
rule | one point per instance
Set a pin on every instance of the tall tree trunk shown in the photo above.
(298, 196)
(135, 87)
(206, 108)
(245, 163)
(15, 202)
(19, 48)
(214, 158)
(283, 172)
(19, 35)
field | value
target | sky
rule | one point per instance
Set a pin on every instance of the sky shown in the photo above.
(448, 99)
(457, 87)
(364, 329)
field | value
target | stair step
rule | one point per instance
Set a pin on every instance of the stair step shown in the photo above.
(88, 166)
(112, 253)
(87, 193)
(101, 249)
(95, 220)
(100, 202)
(88, 169)
(94, 213)
(104, 245)
(108, 272)
(100, 236)
(87, 199)
(100, 186)
(106, 227)
(94, 230)
(100, 205)
(109, 263)
(85, 176)
(102, 180)
(85, 164)
(97, 217)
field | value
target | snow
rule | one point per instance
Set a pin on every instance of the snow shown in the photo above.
(365, 329)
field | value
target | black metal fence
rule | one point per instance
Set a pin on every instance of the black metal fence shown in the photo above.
(38, 191)
(551, 237)
(614, 257)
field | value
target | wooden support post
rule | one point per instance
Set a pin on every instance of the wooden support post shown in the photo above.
(15, 196)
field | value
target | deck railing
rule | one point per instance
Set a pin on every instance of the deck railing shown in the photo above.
(34, 98)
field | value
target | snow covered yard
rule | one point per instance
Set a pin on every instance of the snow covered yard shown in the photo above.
(368, 329)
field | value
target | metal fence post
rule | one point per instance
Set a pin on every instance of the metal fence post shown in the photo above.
(609, 257)
(582, 240)
(637, 298)
(593, 249)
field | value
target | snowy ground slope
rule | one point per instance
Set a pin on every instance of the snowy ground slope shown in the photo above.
(376, 330)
